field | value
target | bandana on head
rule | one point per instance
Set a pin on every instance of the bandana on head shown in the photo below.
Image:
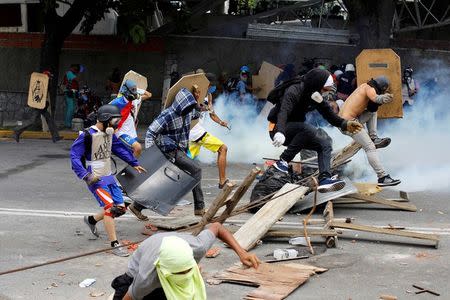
(175, 256)
(329, 82)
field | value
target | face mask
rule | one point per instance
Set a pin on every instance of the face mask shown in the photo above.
(181, 279)
(114, 122)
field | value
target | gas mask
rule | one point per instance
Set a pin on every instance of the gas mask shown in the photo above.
(132, 93)
(114, 122)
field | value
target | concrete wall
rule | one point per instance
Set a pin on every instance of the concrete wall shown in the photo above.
(18, 63)
(188, 53)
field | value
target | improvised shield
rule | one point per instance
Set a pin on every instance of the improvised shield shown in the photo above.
(161, 187)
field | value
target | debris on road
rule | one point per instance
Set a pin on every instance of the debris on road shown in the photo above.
(274, 281)
(87, 282)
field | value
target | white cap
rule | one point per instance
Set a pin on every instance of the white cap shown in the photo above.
(338, 73)
(349, 67)
(329, 82)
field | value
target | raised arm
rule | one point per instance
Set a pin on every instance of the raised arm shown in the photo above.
(248, 259)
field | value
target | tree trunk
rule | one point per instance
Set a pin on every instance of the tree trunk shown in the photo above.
(50, 52)
(373, 20)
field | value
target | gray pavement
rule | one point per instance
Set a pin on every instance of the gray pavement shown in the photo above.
(42, 204)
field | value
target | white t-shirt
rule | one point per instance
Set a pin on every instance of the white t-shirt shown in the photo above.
(128, 127)
(197, 131)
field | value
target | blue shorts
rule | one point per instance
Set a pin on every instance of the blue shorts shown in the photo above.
(108, 195)
(127, 140)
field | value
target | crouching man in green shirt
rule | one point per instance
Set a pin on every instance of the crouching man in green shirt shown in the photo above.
(165, 265)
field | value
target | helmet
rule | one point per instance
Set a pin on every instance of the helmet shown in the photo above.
(129, 90)
(349, 68)
(108, 111)
(245, 69)
(408, 72)
(382, 82)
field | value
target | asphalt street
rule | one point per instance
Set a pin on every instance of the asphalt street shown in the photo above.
(42, 204)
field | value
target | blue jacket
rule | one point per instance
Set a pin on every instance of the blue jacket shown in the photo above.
(171, 128)
(77, 151)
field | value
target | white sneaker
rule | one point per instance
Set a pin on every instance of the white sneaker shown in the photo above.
(122, 251)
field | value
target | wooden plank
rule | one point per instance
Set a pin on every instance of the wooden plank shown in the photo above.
(174, 223)
(366, 188)
(274, 281)
(328, 215)
(266, 79)
(371, 63)
(403, 233)
(346, 200)
(215, 206)
(290, 233)
(258, 225)
(390, 203)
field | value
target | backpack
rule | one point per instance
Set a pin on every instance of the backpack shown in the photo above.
(231, 84)
(277, 93)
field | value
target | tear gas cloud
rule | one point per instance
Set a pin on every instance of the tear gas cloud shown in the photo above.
(248, 140)
(419, 153)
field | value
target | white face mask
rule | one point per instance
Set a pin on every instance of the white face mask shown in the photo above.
(114, 122)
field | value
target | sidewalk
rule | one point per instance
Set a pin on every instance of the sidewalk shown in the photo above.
(65, 134)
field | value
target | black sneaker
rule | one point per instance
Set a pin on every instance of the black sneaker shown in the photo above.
(93, 228)
(16, 136)
(282, 166)
(388, 181)
(381, 142)
(332, 184)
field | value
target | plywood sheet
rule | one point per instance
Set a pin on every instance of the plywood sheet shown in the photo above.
(265, 79)
(187, 82)
(260, 223)
(274, 281)
(371, 63)
(141, 81)
(37, 92)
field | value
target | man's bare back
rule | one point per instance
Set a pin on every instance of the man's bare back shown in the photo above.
(357, 102)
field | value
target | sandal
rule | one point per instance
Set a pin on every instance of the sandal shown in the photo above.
(223, 184)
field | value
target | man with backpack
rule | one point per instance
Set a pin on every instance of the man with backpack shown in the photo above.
(90, 155)
(293, 99)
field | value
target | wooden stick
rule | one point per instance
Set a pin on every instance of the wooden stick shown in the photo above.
(215, 206)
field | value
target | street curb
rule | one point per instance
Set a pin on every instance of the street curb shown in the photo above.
(66, 135)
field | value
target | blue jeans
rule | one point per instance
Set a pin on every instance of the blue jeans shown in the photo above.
(70, 108)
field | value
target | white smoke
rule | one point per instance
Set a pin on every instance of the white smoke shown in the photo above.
(419, 154)
(248, 140)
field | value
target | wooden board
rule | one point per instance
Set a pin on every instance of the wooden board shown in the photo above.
(37, 92)
(367, 188)
(371, 63)
(265, 79)
(258, 225)
(173, 223)
(141, 81)
(390, 203)
(396, 232)
(274, 281)
(187, 82)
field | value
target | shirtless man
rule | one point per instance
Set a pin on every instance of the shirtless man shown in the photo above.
(362, 105)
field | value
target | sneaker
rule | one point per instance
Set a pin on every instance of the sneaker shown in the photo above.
(122, 251)
(332, 184)
(93, 228)
(137, 213)
(282, 166)
(381, 142)
(16, 136)
(388, 181)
